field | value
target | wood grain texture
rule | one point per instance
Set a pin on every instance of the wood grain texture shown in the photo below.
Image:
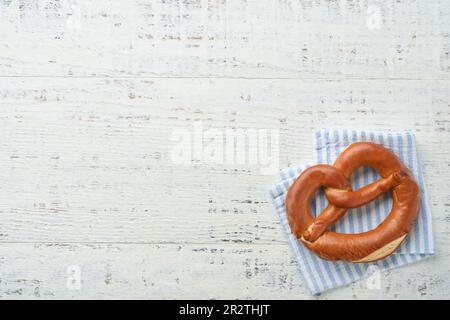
(91, 93)
(95, 164)
(233, 271)
(203, 38)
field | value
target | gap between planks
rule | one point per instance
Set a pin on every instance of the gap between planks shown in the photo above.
(346, 78)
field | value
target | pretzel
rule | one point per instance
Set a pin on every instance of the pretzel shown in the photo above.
(368, 246)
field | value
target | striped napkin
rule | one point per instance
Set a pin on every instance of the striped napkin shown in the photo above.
(321, 275)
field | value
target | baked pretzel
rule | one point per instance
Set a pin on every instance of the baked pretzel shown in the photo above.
(368, 246)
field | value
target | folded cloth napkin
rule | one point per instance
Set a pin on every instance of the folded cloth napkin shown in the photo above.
(321, 275)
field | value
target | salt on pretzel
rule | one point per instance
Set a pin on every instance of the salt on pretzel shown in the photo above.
(368, 246)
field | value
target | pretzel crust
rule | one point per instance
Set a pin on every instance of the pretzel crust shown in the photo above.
(368, 246)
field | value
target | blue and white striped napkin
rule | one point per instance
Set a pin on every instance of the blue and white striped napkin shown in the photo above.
(321, 275)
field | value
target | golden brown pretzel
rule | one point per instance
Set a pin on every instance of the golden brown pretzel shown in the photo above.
(363, 247)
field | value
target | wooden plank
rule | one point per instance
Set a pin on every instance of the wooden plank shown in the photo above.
(218, 38)
(89, 160)
(145, 271)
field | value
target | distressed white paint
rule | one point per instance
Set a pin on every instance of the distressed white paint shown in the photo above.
(88, 105)
(190, 271)
(273, 38)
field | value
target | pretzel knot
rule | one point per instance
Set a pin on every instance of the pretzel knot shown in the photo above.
(368, 246)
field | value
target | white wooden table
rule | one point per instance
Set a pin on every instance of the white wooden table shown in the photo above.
(92, 91)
